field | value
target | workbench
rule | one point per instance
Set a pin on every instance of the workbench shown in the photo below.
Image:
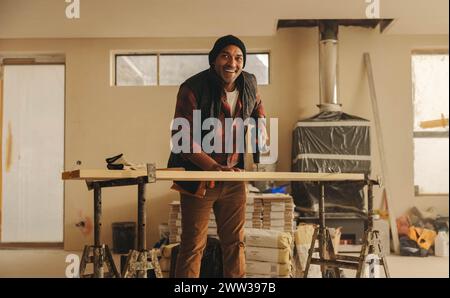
(97, 179)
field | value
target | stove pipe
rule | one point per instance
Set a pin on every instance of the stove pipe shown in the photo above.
(328, 67)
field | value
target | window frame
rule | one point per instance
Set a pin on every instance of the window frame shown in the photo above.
(116, 54)
(175, 54)
(425, 134)
(269, 64)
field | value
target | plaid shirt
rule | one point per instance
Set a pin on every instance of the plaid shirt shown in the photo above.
(186, 104)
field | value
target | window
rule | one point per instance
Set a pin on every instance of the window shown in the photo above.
(174, 69)
(136, 70)
(258, 64)
(430, 99)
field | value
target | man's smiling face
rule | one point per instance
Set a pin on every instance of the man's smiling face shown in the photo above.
(228, 65)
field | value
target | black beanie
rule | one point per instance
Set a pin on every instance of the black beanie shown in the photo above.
(223, 42)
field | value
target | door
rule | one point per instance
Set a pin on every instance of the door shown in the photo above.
(32, 154)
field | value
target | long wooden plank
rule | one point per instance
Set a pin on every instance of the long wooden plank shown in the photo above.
(168, 175)
(1, 154)
(384, 168)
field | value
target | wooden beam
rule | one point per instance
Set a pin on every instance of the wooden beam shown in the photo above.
(384, 168)
(168, 175)
(385, 24)
(1, 151)
(443, 122)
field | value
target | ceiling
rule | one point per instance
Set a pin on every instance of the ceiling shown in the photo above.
(205, 18)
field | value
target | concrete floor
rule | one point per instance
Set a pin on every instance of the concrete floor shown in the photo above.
(52, 263)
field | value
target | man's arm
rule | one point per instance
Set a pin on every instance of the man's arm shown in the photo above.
(259, 112)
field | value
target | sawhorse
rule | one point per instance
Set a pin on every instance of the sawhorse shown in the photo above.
(330, 262)
(137, 262)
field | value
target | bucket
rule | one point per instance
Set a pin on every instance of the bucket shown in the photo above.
(124, 237)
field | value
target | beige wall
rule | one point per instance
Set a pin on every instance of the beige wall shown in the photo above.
(102, 120)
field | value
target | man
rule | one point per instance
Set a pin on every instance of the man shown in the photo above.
(222, 91)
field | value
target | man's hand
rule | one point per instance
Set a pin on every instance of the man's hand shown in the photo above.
(263, 138)
(219, 167)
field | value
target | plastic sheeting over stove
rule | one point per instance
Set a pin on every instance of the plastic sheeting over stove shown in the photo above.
(331, 142)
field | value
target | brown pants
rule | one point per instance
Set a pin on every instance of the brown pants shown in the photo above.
(228, 201)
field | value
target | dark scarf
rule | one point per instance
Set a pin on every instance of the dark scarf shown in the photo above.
(208, 88)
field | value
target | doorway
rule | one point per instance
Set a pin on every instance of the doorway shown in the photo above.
(32, 192)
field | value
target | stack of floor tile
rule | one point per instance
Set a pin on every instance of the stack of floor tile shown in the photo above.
(174, 222)
(254, 214)
(268, 253)
(166, 259)
(212, 226)
(253, 211)
(278, 212)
